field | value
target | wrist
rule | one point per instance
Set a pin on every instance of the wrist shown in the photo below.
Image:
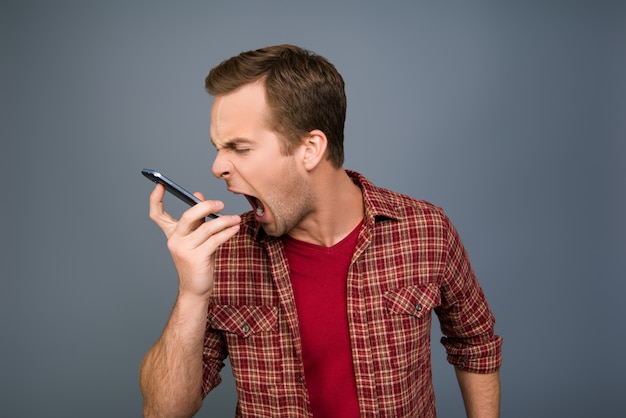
(193, 298)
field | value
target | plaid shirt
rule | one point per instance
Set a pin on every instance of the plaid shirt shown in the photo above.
(408, 262)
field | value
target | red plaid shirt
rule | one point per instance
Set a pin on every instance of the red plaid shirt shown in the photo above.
(408, 262)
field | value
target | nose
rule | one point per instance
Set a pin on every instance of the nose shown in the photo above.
(222, 168)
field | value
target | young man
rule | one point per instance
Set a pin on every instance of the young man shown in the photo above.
(322, 295)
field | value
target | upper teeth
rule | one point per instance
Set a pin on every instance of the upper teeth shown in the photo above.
(260, 211)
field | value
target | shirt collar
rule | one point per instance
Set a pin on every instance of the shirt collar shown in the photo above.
(377, 204)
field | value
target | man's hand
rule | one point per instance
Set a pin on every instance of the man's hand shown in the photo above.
(192, 241)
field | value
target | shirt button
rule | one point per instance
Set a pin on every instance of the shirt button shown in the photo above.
(301, 378)
(418, 307)
(245, 328)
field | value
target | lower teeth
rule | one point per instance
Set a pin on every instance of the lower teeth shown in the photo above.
(260, 211)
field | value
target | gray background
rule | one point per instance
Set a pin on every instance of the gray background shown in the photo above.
(510, 115)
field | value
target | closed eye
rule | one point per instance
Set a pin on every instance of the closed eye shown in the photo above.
(238, 146)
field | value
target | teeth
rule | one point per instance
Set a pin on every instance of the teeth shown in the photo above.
(259, 211)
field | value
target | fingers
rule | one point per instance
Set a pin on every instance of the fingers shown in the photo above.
(195, 216)
(210, 233)
(197, 232)
(192, 219)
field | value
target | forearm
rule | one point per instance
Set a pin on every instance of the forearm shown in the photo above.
(171, 372)
(481, 393)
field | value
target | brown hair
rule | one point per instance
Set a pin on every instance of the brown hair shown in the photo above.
(304, 91)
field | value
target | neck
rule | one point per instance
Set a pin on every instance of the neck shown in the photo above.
(338, 209)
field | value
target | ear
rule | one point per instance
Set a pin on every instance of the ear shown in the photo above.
(314, 145)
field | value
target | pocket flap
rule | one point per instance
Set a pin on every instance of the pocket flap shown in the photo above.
(244, 320)
(413, 300)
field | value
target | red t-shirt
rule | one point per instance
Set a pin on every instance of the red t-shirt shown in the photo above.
(318, 277)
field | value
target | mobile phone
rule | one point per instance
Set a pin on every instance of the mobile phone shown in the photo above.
(174, 189)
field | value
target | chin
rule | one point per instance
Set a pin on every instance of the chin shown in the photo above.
(272, 229)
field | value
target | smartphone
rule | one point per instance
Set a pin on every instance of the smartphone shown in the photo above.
(174, 189)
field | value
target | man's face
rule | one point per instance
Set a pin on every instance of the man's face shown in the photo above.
(249, 159)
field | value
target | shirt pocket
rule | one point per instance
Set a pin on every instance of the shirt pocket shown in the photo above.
(409, 314)
(252, 339)
(415, 301)
(244, 321)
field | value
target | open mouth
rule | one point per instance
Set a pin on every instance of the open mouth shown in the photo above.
(257, 206)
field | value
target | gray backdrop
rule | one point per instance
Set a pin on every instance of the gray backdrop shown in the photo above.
(510, 115)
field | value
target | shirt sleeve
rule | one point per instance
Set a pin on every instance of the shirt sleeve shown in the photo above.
(466, 320)
(213, 357)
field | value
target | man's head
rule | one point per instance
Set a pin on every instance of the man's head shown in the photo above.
(303, 92)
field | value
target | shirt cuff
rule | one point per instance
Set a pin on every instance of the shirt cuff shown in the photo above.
(483, 358)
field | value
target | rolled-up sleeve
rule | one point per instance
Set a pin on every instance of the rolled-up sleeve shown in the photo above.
(466, 320)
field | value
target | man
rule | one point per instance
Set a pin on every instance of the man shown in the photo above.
(321, 295)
